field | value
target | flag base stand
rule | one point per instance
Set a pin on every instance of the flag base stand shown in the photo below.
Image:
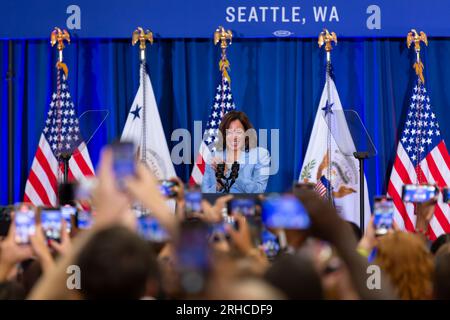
(361, 156)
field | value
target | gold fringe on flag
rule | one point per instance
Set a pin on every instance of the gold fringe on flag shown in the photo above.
(225, 38)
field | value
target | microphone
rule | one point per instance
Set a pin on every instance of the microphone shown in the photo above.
(234, 170)
(234, 174)
(220, 169)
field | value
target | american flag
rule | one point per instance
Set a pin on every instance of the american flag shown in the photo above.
(322, 186)
(422, 157)
(60, 135)
(223, 103)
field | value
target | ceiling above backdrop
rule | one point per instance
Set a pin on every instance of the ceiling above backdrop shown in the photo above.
(29, 19)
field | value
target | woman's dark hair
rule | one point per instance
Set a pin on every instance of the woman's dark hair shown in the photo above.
(250, 133)
(116, 263)
(439, 242)
(296, 277)
(441, 279)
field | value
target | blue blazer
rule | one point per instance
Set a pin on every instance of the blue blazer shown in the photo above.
(254, 169)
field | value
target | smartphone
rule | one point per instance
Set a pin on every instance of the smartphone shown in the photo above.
(167, 188)
(383, 215)
(193, 255)
(243, 206)
(285, 212)
(416, 193)
(51, 221)
(83, 220)
(270, 244)
(25, 222)
(84, 188)
(193, 248)
(150, 229)
(193, 201)
(123, 162)
(446, 195)
(68, 213)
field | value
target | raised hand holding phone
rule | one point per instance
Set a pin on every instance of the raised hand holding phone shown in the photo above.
(41, 250)
(383, 215)
(12, 252)
(143, 187)
(109, 202)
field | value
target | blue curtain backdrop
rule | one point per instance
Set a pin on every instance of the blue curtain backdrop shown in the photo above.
(276, 82)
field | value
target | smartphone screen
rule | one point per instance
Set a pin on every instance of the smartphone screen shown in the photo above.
(418, 193)
(193, 255)
(51, 223)
(284, 212)
(243, 206)
(84, 220)
(68, 213)
(123, 161)
(167, 188)
(193, 202)
(383, 215)
(193, 246)
(446, 195)
(270, 244)
(150, 229)
(25, 223)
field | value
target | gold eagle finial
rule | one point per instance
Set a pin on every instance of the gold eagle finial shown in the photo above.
(326, 37)
(141, 36)
(224, 36)
(415, 37)
(59, 36)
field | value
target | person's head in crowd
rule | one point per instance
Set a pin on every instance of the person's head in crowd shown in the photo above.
(356, 230)
(250, 288)
(444, 249)
(439, 242)
(441, 283)
(236, 132)
(116, 263)
(11, 290)
(333, 272)
(296, 277)
(32, 271)
(170, 278)
(405, 258)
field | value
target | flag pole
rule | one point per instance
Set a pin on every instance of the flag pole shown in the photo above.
(58, 37)
(142, 36)
(325, 37)
(224, 37)
(414, 37)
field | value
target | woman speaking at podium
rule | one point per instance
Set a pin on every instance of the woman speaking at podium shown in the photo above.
(237, 165)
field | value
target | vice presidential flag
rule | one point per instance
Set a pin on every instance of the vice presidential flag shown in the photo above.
(344, 175)
(60, 135)
(151, 146)
(422, 157)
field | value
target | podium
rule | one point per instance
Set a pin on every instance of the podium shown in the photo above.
(353, 140)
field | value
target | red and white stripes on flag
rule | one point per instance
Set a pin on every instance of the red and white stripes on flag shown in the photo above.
(61, 134)
(422, 158)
